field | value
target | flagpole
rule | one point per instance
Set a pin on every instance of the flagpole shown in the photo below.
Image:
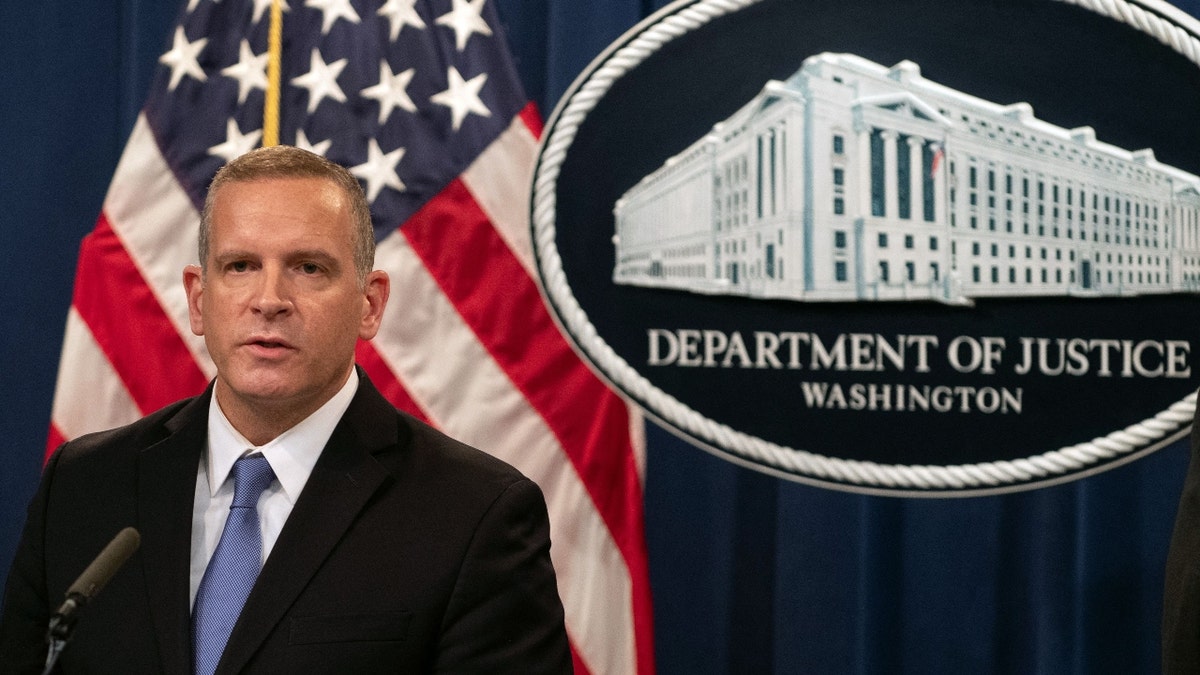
(275, 51)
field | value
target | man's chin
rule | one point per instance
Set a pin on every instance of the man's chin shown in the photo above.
(270, 391)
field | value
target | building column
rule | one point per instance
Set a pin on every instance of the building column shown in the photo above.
(891, 202)
(916, 179)
(862, 162)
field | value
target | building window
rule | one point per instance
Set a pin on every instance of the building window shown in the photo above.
(883, 271)
(839, 177)
(911, 270)
(839, 239)
(908, 241)
(839, 206)
(928, 169)
(758, 183)
(877, 173)
(933, 244)
(883, 240)
(839, 270)
(839, 144)
(903, 177)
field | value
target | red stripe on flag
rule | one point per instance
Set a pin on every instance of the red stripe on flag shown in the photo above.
(386, 381)
(579, 666)
(502, 305)
(495, 297)
(533, 121)
(54, 439)
(130, 326)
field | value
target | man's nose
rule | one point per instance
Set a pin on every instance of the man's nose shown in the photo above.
(274, 295)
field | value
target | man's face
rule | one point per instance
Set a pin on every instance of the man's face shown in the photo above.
(279, 305)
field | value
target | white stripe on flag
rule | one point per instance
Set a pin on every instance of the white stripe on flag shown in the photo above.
(158, 226)
(499, 179)
(88, 395)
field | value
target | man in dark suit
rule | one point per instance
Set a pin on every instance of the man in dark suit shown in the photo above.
(384, 545)
(1181, 598)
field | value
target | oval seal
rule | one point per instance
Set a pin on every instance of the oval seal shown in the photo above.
(934, 248)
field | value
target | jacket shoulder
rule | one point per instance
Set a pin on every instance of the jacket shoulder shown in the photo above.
(134, 436)
(435, 448)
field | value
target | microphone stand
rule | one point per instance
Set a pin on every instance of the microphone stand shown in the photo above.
(61, 625)
(97, 574)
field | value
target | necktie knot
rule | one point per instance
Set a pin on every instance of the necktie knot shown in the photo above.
(251, 475)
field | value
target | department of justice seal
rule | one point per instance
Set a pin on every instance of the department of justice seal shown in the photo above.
(919, 248)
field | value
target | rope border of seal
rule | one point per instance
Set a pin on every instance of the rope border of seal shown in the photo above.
(592, 85)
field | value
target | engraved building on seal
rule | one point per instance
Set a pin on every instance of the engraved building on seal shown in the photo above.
(853, 181)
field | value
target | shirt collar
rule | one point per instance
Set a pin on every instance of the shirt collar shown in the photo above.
(292, 454)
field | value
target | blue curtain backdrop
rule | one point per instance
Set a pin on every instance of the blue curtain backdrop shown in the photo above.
(750, 573)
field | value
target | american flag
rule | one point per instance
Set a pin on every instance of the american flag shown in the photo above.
(420, 100)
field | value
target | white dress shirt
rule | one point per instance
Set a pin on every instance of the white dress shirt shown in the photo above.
(291, 455)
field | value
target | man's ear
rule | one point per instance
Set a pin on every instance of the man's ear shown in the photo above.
(193, 284)
(375, 296)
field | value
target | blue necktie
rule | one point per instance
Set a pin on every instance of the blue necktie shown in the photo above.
(233, 568)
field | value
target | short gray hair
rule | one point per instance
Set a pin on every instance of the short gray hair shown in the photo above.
(285, 161)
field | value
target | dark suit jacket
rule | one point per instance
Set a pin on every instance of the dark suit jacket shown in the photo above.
(406, 552)
(1181, 597)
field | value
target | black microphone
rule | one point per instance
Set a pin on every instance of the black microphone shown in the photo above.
(93, 579)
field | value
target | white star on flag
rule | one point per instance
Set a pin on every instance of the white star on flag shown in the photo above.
(391, 92)
(401, 13)
(250, 71)
(331, 11)
(236, 143)
(462, 97)
(181, 59)
(465, 18)
(318, 148)
(379, 170)
(321, 80)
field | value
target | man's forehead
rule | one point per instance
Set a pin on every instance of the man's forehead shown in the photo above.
(251, 211)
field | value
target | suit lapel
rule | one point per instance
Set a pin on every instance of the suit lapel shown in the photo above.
(166, 489)
(342, 481)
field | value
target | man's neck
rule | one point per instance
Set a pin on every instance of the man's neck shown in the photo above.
(262, 421)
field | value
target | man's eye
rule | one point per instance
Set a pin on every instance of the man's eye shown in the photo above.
(310, 268)
(239, 266)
